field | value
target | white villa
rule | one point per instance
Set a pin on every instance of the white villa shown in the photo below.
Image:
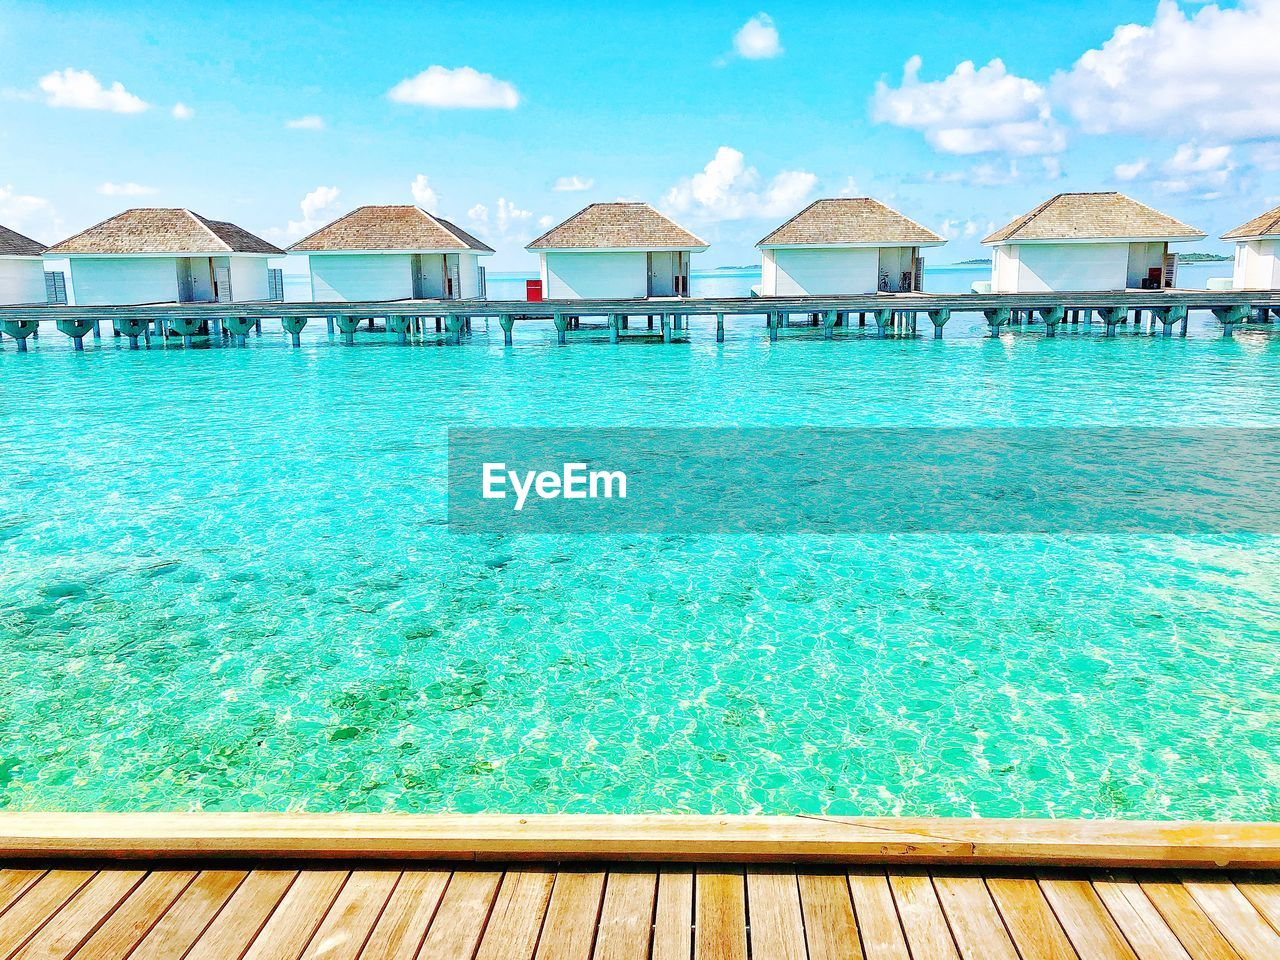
(21, 268)
(854, 245)
(616, 251)
(1257, 253)
(1087, 241)
(393, 253)
(166, 255)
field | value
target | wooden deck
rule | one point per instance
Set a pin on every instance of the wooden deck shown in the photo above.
(360, 887)
(202, 911)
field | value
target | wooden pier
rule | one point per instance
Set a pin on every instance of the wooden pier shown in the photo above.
(286, 887)
(665, 319)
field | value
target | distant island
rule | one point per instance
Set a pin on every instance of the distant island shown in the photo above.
(980, 261)
(1203, 258)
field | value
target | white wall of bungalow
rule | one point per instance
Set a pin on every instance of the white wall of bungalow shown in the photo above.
(21, 268)
(1257, 263)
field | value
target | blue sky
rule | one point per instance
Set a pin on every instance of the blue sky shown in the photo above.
(729, 116)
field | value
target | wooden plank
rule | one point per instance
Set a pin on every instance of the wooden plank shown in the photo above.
(673, 915)
(1139, 921)
(44, 899)
(1264, 895)
(922, 918)
(1085, 919)
(349, 922)
(569, 929)
(244, 914)
(1234, 916)
(14, 883)
(80, 916)
(291, 926)
(455, 836)
(1098, 843)
(516, 919)
(1030, 920)
(189, 916)
(1188, 922)
(720, 915)
(777, 922)
(877, 916)
(626, 918)
(831, 930)
(975, 922)
(460, 918)
(403, 925)
(132, 920)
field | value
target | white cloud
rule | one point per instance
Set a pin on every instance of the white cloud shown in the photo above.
(757, 39)
(1052, 168)
(461, 88)
(318, 208)
(27, 213)
(546, 221)
(974, 110)
(129, 189)
(80, 90)
(424, 195)
(1192, 168)
(572, 184)
(728, 189)
(957, 229)
(507, 223)
(850, 188)
(310, 122)
(181, 111)
(1131, 171)
(1214, 74)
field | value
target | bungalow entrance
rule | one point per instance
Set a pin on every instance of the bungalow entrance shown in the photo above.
(436, 276)
(669, 273)
(204, 280)
(899, 270)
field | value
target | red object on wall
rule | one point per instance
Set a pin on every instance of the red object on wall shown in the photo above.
(533, 291)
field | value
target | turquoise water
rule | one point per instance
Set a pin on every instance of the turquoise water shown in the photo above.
(225, 583)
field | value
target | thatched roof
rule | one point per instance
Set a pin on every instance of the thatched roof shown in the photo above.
(14, 244)
(618, 226)
(164, 230)
(1093, 216)
(853, 220)
(1267, 225)
(386, 228)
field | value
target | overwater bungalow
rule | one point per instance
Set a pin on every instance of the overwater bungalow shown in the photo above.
(393, 253)
(616, 250)
(840, 246)
(21, 268)
(1087, 241)
(1257, 253)
(166, 255)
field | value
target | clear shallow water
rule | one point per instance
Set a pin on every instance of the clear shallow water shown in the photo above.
(225, 583)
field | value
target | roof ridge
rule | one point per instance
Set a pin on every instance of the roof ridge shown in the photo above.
(790, 220)
(204, 222)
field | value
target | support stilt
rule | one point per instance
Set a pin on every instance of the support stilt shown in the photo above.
(1111, 316)
(1052, 316)
(1230, 316)
(829, 325)
(294, 326)
(939, 318)
(996, 318)
(506, 321)
(883, 319)
(615, 322)
(667, 332)
(719, 328)
(562, 325)
(347, 325)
